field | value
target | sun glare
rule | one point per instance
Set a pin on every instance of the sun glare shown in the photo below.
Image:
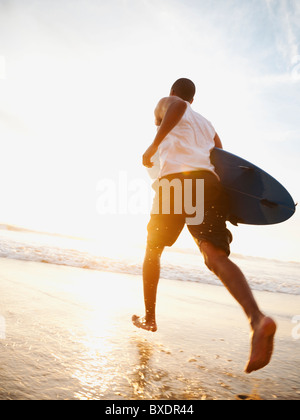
(77, 108)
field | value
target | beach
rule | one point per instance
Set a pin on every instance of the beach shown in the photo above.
(67, 334)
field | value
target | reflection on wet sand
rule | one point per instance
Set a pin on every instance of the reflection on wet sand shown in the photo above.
(160, 373)
(149, 382)
(144, 379)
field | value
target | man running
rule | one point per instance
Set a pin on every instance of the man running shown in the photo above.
(185, 140)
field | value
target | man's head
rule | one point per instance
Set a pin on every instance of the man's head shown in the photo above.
(185, 89)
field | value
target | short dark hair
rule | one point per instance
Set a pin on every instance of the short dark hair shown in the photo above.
(185, 89)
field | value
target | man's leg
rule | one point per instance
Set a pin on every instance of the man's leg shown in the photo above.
(151, 273)
(263, 328)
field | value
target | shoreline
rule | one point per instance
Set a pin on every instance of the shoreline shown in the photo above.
(69, 336)
(262, 274)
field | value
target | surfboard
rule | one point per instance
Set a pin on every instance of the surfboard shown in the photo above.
(255, 197)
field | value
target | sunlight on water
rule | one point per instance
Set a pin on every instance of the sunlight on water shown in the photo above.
(97, 366)
(92, 369)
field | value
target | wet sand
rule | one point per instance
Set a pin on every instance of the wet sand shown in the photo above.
(68, 335)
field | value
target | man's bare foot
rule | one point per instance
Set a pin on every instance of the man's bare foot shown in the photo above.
(262, 344)
(140, 322)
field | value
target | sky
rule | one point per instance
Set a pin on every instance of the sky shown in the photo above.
(79, 80)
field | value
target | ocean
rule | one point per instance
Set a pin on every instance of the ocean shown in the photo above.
(177, 264)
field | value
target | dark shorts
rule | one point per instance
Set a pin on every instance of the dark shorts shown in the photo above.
(164, 229)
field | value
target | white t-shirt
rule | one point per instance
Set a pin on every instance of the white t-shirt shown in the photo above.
(188, 146)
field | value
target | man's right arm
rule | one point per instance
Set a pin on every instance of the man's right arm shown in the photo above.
(168, 113)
